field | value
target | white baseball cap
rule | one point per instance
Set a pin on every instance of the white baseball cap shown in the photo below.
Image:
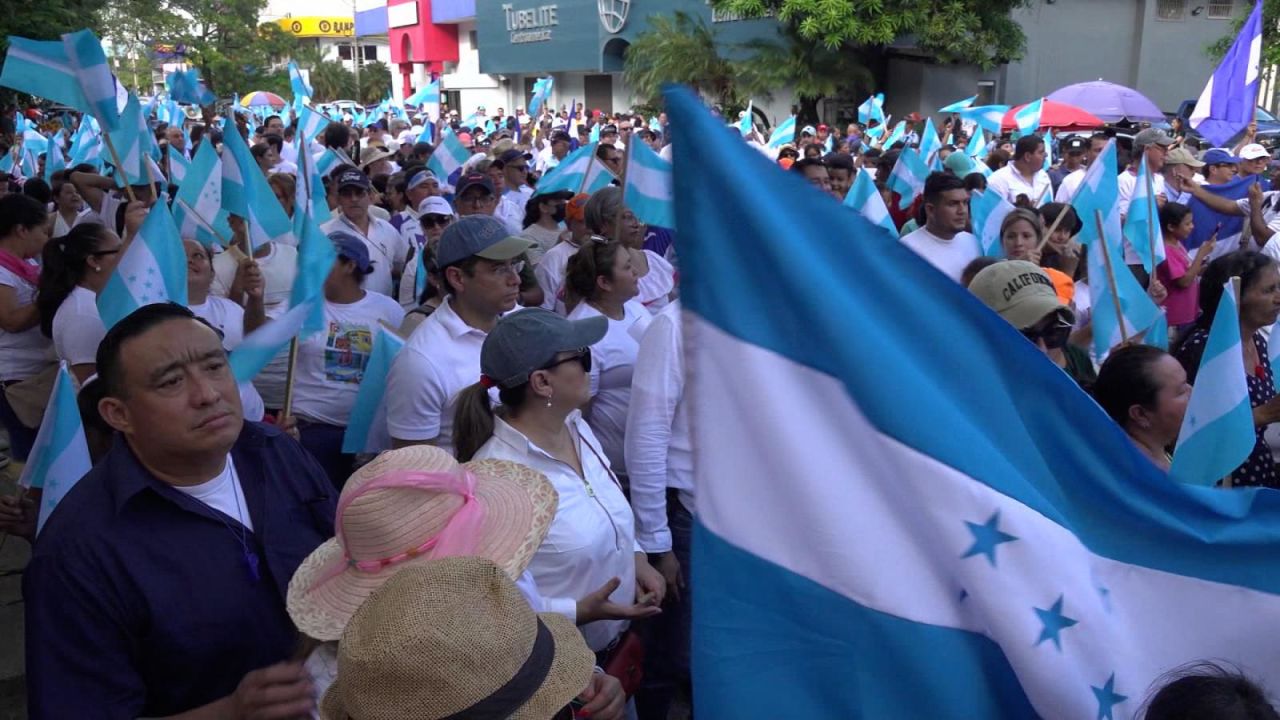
(434, 205)
(1254, 151)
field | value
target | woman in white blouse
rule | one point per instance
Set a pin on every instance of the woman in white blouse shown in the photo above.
(609, 218)
(24, 352)
(75, 269)
(589, 567)
(603, 276)
(69, 209)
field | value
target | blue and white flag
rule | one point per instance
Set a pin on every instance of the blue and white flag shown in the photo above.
(263, 344)
(297, 83)
(895, 135)
(42, 68)
(330, 160)
(959, 105)
(866, 199)
(930, 144)
(988, 117)
(197, 208)
(448, 156)
(153, 269)
(187, 87)
(1048, 153)
(178, 166)
(53, 162)
(908, 176)
(595, 133)
(246, 193)
(86, 146)
(854, 562)
(872, 109)
(132, 140)
(367, 428)
(1217, 432)
(1142, 221)
(309, 193)
(541, 94)
(578, 172)
(988, 210)
(1230, 98)
(647, 190)
(744, 123)
(316, 253)
(60, 455)
(92, 71)
(311, 123)
(783, 134)
(428, 94)
(977, 147)
(1027, 118)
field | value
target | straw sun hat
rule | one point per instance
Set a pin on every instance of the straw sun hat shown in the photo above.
(409, 506)
(454, 638)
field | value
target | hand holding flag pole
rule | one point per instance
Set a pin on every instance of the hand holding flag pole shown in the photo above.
(1058, 220)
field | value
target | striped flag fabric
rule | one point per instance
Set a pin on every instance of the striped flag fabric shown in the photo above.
(448, 156)
(930, 144)
(197, 207)
(60, 455)
(647, 186)
(895, 135)
(178, 166)
(329, 160)
(245, 193)
(1028, 562)
(86, 145)
(263, 344)
(541, 94)
(153, 269)
(744, 123)
(311, 123)
(131, 140)
(1217, 433)
(988, 117)
(959, 105)
(872, 109)
(297, 83)
(54, 161)
(908, 176)
(977, 146)
(1142, 221)
(41, 68)
(1229, 100)
(783, 134)
(1028, 117)
(316, 254)
(426, 95)
(571, 174)
(867, 201)
(987, 211)
(367, 429)
(187, 87)
(93, 72)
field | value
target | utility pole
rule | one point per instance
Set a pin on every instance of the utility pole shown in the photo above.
(355, 52)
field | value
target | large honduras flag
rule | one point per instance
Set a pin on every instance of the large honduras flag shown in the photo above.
(153, 269)
(60, 455)
(648, 186)
(1012, 557)
(367, 429)
(73, 71)
(1217, 432)
(1230, 98)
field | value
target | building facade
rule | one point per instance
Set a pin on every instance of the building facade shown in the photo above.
(353, 32)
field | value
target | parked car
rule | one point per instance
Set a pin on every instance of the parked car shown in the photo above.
(1268, 126)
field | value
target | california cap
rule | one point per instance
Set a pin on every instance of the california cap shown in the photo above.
(482, 236)
(1020, 291)
(529, 340)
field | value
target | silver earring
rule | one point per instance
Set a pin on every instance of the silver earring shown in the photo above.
(548, 401)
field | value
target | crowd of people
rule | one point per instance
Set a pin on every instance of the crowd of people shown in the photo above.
(522, 548)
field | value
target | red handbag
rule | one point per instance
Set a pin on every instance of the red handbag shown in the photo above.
(626, 662)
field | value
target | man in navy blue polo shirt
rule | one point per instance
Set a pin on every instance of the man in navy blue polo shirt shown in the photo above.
(157, 587)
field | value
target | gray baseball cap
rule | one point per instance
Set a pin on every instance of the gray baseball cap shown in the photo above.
(529, 340)
(1153, 136)
(480, 235)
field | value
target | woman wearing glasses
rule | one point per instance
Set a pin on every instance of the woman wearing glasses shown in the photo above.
(608, 217)
(589, 566)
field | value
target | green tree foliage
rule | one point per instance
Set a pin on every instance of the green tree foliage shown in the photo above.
(42, 21)
(680, 49)
(812, 70)
(375, 82)
(980, 32)
(1270, 43)
(331, 81)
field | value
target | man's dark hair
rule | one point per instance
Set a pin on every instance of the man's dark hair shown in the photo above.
(938, 183)
(1026, 144)
(110, 368)
(603, 150)
(839, 161)
(275, 141)
(337, 135)
(468, 267)
(39, 189)
(799, 166)
(1209, 690)
(272, 117)
(1099, 136)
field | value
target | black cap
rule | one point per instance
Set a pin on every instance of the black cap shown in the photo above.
(1075, 143)
(472, 180)
(510, 155)
(560, 136)
(353, 178)
(609, 129)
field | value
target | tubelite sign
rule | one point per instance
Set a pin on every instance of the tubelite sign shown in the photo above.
(328, 27)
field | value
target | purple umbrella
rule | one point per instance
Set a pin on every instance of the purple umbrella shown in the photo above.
(1109, 101)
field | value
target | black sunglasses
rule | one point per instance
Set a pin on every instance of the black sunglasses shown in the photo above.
(582, 356)
(1055, 334)
(429, 221)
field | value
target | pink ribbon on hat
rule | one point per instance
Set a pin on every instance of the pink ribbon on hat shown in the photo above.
(457, 538)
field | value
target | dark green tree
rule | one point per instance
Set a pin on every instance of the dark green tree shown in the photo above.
(680, 49)
(330, 81)
(375, 82)
(42, 21)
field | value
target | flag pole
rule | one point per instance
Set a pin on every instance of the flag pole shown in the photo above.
(115, 158)
(1152, 222)
(1235, 292)
(622, 206)
(1058, 220)
(1111, 277)
(287, 409)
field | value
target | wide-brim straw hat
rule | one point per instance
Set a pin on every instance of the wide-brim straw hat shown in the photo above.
(455, 638)
(518, 506)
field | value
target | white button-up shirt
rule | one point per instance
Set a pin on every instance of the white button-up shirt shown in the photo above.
(592, 538)
(441, 357)
(1010, 184)
(658, 450)
(387, 250)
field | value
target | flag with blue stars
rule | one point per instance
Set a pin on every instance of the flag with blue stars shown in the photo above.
(152, 269)
(60, 455)
(920, 515)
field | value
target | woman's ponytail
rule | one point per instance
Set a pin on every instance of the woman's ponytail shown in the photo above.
(64, 262)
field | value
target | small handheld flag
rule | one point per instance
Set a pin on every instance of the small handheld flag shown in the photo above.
(1229, 100)
(648, 184)
(908, 176)
(153, 269)
(60, 455)
(367, 429)
(866, 199)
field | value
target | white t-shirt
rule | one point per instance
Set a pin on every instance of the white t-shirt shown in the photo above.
(511, 215)
(279, 267)
(1010, 184)
(77, 328)
(550, 273)
(543, 238)
(60, 226)
(331, 363)
(223, 493)
(614, 358)
(1127, 181)
(22, 354)
(228, 318)
(656, 285)
(387, 250)
(949, 256)
(440, 359)
(1067, 188)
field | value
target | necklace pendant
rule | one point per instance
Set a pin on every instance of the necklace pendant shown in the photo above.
(251, 562)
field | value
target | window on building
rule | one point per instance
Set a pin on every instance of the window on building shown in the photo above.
(1171, 9)
(453, 98)
(344, 52)
(1220, 8)
(370, 52)
(471, 37)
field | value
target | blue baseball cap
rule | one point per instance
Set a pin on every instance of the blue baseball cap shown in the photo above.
(352, 248)
(1218, 156)
(480, 235)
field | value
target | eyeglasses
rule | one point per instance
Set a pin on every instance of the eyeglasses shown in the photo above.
(1054, 335)
(513, 268)
(582, 355)
(431, 221)
(477, 199)
(352, 192)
